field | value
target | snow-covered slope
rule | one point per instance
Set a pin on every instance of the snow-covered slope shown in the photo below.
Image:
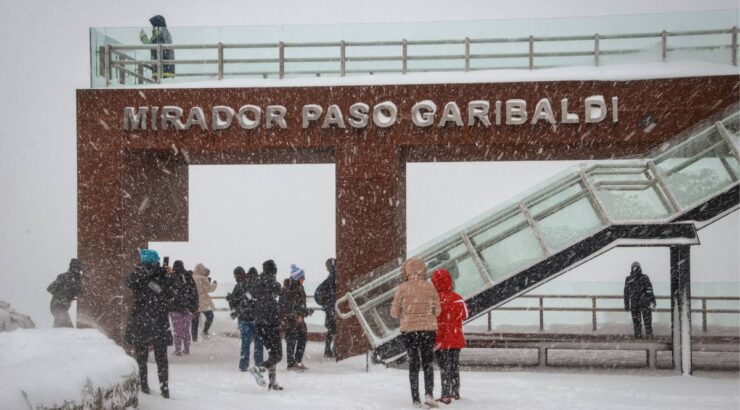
(65, 369)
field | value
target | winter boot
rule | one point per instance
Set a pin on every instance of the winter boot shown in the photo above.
(429, 401)
(165, 390)
(301, 367)
(145, 389)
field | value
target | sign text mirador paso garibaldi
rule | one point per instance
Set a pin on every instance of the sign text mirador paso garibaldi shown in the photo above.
(358, 115)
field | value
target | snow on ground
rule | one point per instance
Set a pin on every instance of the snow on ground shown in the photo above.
(209, 378)
(43, 368)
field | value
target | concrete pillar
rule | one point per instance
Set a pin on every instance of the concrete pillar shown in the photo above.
(681, 308)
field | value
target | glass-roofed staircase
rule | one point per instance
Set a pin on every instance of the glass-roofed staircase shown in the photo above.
(686, 184)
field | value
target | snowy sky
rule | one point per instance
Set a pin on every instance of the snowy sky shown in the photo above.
(46, 48)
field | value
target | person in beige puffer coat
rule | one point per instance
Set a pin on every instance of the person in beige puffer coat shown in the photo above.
(205, 304)
(416, 303)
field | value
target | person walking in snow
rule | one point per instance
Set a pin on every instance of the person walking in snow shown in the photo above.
(326, 297)
(184, 304)
(293, 312)
(417, 305)
(639, 300)
(244, 305)
(160, 35)
(148, 324)
(65, 289)
(450, 338)
(267, 318)
(205, 305)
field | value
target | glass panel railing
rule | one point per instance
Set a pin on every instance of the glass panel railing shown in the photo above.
(119, 59)
(562, 211)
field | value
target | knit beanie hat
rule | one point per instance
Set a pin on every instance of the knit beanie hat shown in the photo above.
(148, 256)
(296, 273)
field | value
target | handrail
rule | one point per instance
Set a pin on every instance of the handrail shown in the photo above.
(594, 309)
(465, 56)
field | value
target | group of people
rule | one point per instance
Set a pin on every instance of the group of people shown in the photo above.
(163, 294)
(431, 316)
(264, 309)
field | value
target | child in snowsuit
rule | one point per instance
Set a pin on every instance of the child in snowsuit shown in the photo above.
(416, 303)
(450, 338)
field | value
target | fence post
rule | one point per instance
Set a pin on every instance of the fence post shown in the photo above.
(220, 60)
(467, 54)
(596, 49)
(593, 312)
(542, 313)
(121, 73)
(704, 315)
(281, 62)
(489, 321)
(531, 52)
(664, 44)
(734, 45)
(342, 58)
(140, 72)
(405, 56)
(106, 65)
(159, 62)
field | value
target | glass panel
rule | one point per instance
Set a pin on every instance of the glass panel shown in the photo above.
(510, 254)
(379, 320)
(570, 224)
(379, 288)
(700, 180)
(498, 228)
(543, 204)
(632, 205)
(443, 257)
(467, 280)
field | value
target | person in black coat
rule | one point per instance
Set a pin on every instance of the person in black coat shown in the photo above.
(182, 307)
(64, 289)
(326, 297)
(267, 318)
(160, 35)
(639, 299)
(243, 306)
(293, 312)
(148, 324)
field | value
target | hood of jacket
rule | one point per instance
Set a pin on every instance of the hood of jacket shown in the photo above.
(200, 269)
(179, 267)
(158, 21)
(415, 269)
(636, 269)
(442, 281)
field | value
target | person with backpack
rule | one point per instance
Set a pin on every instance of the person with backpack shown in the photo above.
(326, 297)
(243, 305)
(65, 289)
(184, 304)
(148, 324)
(416, 304)
(267, 318)
(450, 338)
(293, 312)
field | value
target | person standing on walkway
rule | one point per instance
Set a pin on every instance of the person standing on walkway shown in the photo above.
(243, 305)
(184, 305)
(450, 338)
(639, 300)
(160, 35)
(205, 304)
(326, 297)
(293, 312)
(65, 289)
(148, 324)
(267, 319)
(416, 303)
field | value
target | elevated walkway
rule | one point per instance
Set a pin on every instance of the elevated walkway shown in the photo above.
(660, 200)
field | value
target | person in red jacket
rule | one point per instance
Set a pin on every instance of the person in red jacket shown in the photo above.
(450, 338)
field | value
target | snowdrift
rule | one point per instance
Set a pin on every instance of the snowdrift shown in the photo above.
(65, 369)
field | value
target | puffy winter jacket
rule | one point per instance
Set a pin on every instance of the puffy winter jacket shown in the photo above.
(184, 291)
(454, 311)
(200, 275)
(638, 291)
(148, 323)
(416, 301)
(266, 294)
(293, 304)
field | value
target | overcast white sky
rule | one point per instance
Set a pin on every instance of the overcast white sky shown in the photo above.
(45, 46)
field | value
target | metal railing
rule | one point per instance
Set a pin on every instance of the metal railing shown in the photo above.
(594, 309)
(566, 47)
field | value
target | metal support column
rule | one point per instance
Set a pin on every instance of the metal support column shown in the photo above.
(220, 74)
(281, 59)
(597, 49)
(664, 44)
(342, 58)
(467, 54)
(404, 55)
(531, 52)
(681, 308)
